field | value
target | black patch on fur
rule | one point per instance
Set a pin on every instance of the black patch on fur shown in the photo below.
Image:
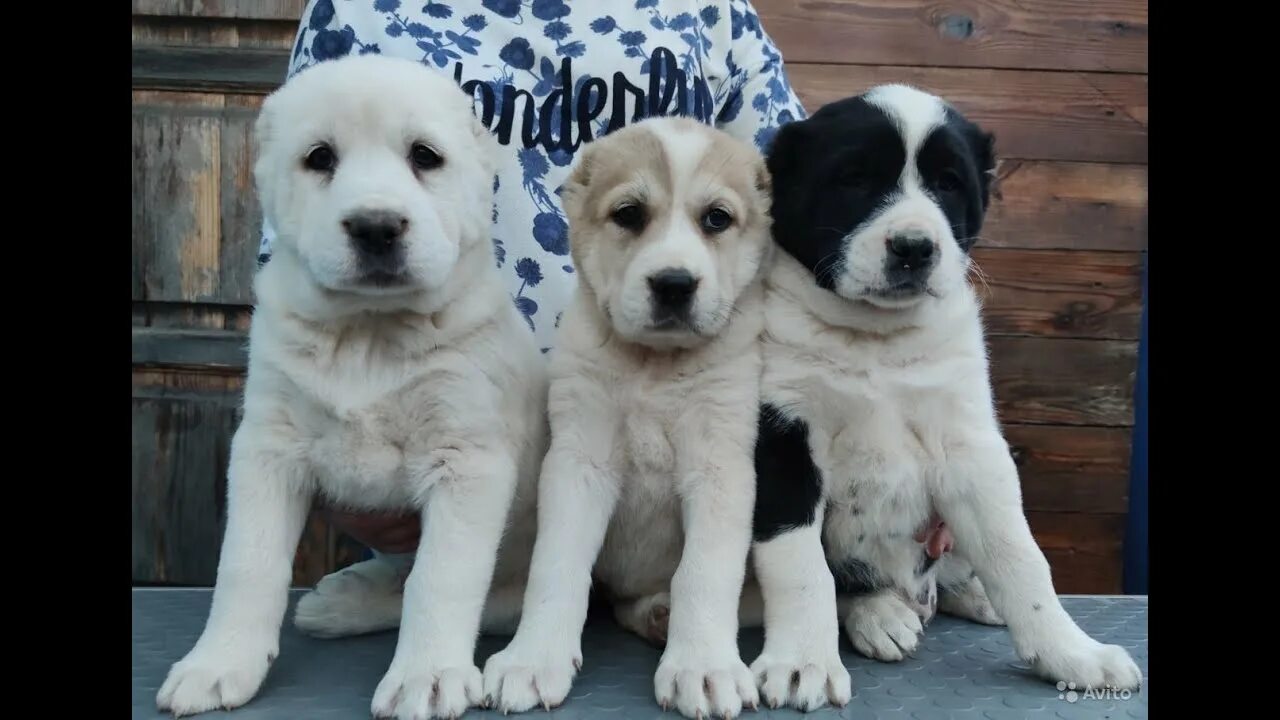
(857, 577)
(788, 484)
(963, 149)
(831, 173)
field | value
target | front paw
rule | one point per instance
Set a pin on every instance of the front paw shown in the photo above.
(805, 680)
(420, 691)
(702, 685)
(215, 676)
(530, 674)
(1088, 664)
(883, 627)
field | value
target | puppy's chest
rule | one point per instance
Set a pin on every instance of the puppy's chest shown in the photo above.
(642, 545)
(876, 425)
(648, 419)
(363, 425)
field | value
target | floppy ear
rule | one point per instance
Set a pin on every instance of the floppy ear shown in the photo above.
(764, 179)
(264, 127)
(574, 187)
(763, 185)
(983, 146)
(486, 143)
(986, 154)
(782, 165)
(263, 133)
(783, 154)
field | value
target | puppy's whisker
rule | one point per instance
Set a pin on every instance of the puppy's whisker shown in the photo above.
(980, 275)
(820, 272)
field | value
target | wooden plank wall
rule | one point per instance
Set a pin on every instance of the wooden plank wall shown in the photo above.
(1062, 83)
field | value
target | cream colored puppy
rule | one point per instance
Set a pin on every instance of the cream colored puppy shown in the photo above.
(653, 403)
(388, 369)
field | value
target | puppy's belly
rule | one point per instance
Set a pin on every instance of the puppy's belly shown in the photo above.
(643, 543)
(872, 519)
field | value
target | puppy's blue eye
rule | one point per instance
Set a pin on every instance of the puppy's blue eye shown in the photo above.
(322, 158)
(716, 220)
(424, 158)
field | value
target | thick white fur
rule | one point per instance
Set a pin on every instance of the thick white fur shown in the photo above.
(902, 422)
(427, 396)
(800, 663)
(649, 476)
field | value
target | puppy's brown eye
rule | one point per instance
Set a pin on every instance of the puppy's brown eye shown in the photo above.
(629, 217)
(424, 158)
(948, 181)
(322, 158)
(716, 220)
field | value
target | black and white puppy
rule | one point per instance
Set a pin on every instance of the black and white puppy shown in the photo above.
(877, 410)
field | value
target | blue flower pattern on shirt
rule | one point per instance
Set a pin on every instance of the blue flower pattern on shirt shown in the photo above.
(711, 60)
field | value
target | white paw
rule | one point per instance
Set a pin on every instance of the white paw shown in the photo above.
(883, 627)
(805, 681)
(215, 676)
(1089, 664)
(363, 598)
(530, 674)
(969, 600)
(703, 686)
(420, 691)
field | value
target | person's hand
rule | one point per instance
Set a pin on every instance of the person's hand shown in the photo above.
(385, 532)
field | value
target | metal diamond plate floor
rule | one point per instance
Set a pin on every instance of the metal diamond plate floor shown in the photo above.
(962, 670)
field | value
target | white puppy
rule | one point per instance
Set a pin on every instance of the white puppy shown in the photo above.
(653, 415)
(388, 369)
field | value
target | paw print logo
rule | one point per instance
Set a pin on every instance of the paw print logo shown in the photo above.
(1070, 695)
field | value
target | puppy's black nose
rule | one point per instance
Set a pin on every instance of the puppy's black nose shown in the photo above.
(911, 251)
(375, 232)
(673, 288)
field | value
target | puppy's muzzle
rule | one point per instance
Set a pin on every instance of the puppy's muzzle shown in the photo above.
(672, 291)
(378, 239)
(910, 256)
